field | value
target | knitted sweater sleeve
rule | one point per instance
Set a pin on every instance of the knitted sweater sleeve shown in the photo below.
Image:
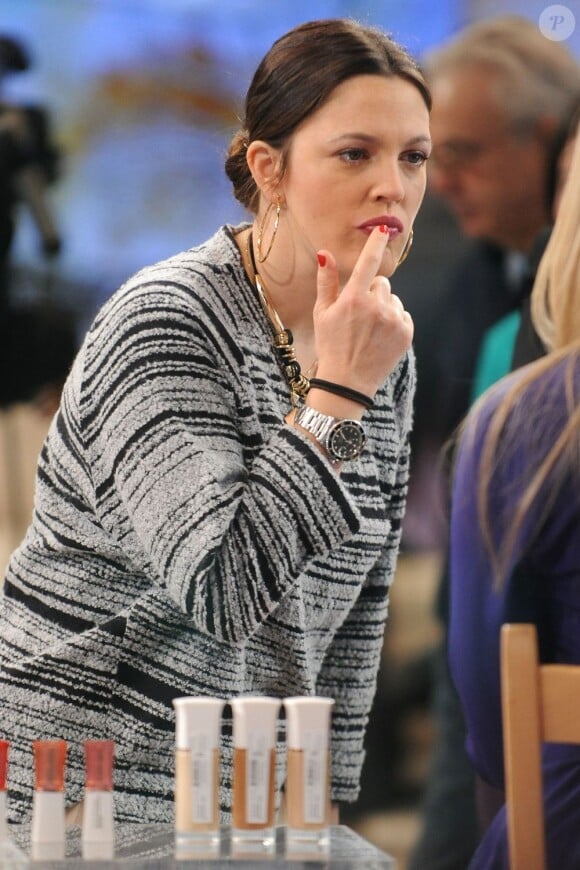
(224, 523)
(349, 672)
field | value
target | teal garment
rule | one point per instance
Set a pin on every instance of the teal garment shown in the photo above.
(495, 355)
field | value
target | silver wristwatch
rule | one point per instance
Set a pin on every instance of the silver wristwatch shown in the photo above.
(343, 439)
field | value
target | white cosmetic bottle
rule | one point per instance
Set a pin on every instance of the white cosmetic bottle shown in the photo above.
(197, 770)
(98, 834)
(4, 749)
(253, 804)
(308, 769)
(48, 835)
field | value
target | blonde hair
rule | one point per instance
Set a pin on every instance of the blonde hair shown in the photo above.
(555, 302)
(556, 316)
(534, 76)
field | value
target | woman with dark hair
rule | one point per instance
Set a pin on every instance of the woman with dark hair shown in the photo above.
(219, 499)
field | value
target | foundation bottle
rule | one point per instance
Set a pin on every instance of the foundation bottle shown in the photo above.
(48, 828)
(254, 737)
(98, 834)
(308, 769)
(197, 770)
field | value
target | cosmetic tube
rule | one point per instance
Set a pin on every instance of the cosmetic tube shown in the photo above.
(4, 746)
(48, 828)
(254, 769)
(308, 768)
(10, 855)
(197, 769)
(98, 835)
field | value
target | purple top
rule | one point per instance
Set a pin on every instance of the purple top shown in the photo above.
(542, 586)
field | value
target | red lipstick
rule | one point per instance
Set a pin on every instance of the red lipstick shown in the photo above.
(393, 224)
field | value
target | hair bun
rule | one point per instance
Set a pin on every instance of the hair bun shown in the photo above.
(238, 172)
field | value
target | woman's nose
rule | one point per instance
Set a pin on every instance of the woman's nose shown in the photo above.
(389, 184)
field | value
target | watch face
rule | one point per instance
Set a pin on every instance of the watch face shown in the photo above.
(346, 439)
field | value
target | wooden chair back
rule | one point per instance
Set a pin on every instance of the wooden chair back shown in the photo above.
(540, 703)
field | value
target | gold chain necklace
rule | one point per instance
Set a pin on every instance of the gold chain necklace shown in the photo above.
(282, 338)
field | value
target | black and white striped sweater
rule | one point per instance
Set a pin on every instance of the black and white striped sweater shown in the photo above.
(186, 541)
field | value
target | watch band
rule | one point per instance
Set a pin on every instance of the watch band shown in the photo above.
(315, 422)
(342, 438)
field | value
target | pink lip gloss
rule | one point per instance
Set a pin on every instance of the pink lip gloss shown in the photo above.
(4, 745)
(48, 828)
(10, 854)
(98, 834)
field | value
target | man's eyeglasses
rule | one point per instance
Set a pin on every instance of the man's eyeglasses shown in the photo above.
(462, 153)
(457, 154)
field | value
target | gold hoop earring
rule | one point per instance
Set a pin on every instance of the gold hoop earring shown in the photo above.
(406, 249)
(263, 257)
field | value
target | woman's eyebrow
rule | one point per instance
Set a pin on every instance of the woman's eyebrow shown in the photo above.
(367, 137)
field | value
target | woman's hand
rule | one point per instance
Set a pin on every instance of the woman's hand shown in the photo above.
(361, 331)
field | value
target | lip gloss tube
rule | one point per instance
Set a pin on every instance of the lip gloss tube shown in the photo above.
(197, 769)
(254, 736)
(98, 835)
(4, 746)
(308, 769)
(10, 855)
(48, 828)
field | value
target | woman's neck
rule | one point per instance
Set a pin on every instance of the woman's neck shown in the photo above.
(291, 291)
(293, 302)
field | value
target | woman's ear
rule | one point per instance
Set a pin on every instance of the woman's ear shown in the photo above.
(264, 163)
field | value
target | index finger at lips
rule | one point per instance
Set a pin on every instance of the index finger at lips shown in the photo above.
(370, 258)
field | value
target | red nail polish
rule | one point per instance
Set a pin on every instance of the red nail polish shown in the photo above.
(383, 228)
(321, 259)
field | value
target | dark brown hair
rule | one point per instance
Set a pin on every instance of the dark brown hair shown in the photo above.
(297, 76)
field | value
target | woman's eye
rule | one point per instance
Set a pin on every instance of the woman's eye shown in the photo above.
(415, 158)
(353, 155)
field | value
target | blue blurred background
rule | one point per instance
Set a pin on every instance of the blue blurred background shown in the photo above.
(143, 96)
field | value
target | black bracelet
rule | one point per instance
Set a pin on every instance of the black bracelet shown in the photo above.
(345, 392)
